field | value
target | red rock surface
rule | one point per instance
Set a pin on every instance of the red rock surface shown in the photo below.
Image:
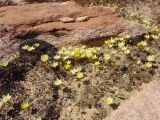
(143, 106)
(42, 21)
(45, 17)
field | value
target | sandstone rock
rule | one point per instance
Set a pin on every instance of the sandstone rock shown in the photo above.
(143, 106)
(67, 19)
(82, 19)
(42, 21)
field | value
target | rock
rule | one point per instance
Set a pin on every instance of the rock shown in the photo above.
(42, 21)
(143, 106)
(82, 19)
(67, 19)
(8, 47)
(20, 2)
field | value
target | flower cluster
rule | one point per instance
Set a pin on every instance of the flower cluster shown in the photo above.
(30, 48)
(81, 52)
(120, 42)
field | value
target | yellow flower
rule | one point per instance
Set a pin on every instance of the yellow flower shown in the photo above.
(44, 58)
(88, 54)
(112, 40)
(57, 82)
(79, 69)
(109, 100)
(94, 57)
(6, 98)
(54, 64)
(73, 71)
(155, 37)
(121, 44)
(25, 105)
(56, 57)
(4, 63)
(127, 51)
(80, 75)
(116, 38)
(83, 55)
(94, 50)
(67, 66)
(31, 48)
(72, 53)
(97, 63)
(60, 52)
(66, 52)
(107, 57)
(114, 51)
(37, 118)
(25, 47)
(36, 44)
(121, 38)
(150, 58)
(109, 44)
(142, 43)
(66, 57)
(147, 36)
(147, 49)
(127, 36)
(148, 64)
(68, 62)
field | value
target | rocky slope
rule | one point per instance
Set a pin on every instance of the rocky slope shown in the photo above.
(62, 24)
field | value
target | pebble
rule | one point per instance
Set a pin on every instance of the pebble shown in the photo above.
(67, 19)
(82, 19)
